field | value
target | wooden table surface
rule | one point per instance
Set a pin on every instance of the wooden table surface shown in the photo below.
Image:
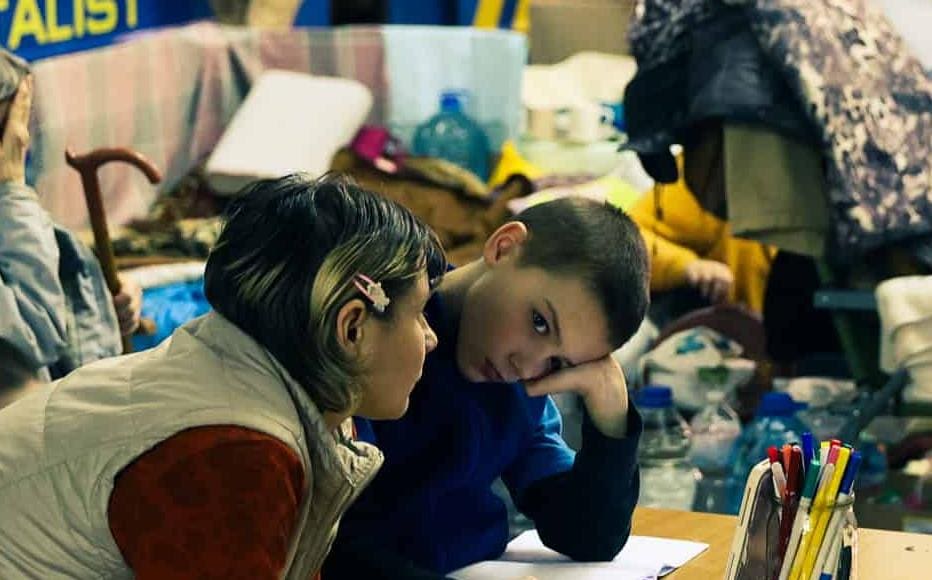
(883, 555)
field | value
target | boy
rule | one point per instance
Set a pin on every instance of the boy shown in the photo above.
(555, 292)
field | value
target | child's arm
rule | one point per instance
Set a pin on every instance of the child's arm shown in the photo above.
(353, 558)
(585, 512)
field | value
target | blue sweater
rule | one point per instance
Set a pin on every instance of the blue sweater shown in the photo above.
(432, 502)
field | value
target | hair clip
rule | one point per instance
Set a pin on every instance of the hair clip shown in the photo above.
(373, 291)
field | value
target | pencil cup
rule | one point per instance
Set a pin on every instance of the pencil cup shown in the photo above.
(817, 552)
(763, 541)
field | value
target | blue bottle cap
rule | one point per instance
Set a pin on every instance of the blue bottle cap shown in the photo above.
(452, 101)
(778, 405)
(655, 397)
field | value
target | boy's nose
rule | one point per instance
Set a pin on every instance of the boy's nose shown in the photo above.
(528, 367)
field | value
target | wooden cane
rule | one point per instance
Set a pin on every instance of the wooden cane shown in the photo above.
(87, 165)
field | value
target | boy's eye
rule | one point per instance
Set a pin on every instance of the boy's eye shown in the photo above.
(540, 323)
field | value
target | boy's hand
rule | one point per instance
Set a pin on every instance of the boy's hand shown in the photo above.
(601, 383)
(713, 279)
(15, 140)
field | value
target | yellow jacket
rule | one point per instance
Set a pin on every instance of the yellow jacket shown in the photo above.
(686, 233)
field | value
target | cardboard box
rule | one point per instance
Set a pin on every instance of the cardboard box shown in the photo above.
(561, 28)
(260, 13)
(886, 509)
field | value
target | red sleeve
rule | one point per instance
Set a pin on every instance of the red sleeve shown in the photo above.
(209, 502)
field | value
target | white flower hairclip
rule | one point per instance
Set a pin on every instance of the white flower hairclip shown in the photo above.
(373, 291)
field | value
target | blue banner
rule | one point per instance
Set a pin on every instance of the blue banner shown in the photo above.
(36, 29)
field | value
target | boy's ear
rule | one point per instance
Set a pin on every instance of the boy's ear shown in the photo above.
(504, 242)
(350, 320)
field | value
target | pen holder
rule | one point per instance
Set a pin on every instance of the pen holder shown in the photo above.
(756, 548)
(827, 522)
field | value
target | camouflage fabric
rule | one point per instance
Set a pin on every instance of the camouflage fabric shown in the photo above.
(872, 102)
(662, 29)
(866, 96)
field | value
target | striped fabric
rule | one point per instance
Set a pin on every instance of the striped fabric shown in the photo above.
(169, 95)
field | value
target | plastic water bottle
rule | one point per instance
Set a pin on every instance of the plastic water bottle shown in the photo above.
(715, 430)
(668, 480)
(452, 135)
(774, 423)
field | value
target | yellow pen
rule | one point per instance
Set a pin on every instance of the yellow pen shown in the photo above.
(801, 521)
(817, 505)
(823, 453)
(825, 514)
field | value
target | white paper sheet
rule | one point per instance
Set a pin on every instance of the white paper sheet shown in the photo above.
(642, 558)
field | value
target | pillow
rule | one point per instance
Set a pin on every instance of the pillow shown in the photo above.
(288, 122)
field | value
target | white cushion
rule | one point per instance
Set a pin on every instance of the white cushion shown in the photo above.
(288, 122)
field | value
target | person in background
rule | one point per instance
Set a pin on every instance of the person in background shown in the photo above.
(691, 248)
(54, 304)
(554, 293)
(227, 451)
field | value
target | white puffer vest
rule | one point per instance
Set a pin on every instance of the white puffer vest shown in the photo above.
(62, 446)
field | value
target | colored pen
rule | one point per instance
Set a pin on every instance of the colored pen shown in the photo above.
(826, 507)
(790, 502)
(807, 448)
(802, 517)
(779, 481)
(817, 506)
(823, 453)
(844, 494)
(772, 454)
(827, 572)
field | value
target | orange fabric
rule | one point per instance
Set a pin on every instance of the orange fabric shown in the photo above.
(209, 502)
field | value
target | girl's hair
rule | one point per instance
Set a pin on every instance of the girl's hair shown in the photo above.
(286, 261)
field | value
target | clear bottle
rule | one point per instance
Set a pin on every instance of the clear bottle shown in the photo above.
(715, 430)
(454, 136)
(774, 423)
(668, 480)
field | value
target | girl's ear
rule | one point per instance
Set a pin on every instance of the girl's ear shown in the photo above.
(350, 320)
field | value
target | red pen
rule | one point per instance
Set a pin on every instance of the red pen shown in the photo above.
(773, 454)
(790, 500)
(786, 452)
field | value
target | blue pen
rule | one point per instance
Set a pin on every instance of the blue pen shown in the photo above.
(807, 447)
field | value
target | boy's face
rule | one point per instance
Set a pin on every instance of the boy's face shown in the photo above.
(523, 323)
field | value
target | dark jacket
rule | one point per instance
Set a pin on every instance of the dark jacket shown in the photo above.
(432, 509)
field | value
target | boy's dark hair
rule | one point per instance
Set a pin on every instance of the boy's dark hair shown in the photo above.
(16, 368)
(599, 244)
(286, 261)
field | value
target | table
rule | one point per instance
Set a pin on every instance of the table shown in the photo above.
(883, 554)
